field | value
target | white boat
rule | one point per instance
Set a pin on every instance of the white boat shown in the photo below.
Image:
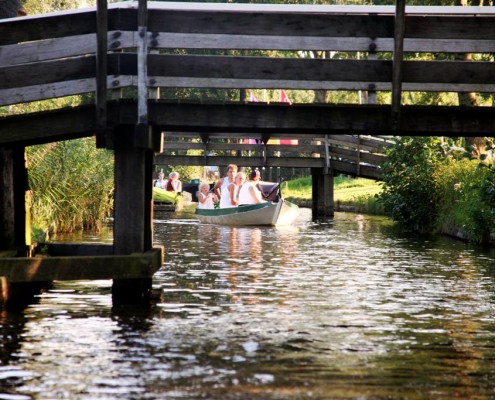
(282, 212)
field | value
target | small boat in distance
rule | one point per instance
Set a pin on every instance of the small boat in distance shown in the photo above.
(276, 211)
(164, 196)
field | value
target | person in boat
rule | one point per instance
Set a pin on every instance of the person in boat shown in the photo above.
(230, 196)
(250, 193)
(222, 183)
(160, 182)
(235, 187)
(206, 199)
(173, 183)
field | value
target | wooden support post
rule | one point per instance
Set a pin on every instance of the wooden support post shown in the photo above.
(7, 230)
(133, 226)
(133, 211)
(322, 189)
(101, 72)
(15, 226)
(400, 28)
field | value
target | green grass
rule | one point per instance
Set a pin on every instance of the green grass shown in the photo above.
(357, 194)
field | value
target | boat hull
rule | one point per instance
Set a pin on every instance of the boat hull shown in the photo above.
(164, 196)
(280, 213)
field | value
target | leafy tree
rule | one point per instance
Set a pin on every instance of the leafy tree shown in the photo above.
(409, 191)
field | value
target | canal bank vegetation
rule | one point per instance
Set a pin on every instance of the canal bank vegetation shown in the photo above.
(72, 186)
(350, 194)
(430, 184)
(446, 185)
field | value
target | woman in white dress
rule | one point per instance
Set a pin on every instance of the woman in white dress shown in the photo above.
(249, 193)
(235, 187)
(221, 186)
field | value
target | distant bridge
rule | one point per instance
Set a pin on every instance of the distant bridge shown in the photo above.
(355, 155)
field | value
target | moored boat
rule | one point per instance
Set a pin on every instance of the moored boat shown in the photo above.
(164, 196)
(270, 213)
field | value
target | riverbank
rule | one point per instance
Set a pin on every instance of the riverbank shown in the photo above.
(350, 194)
(359, 195)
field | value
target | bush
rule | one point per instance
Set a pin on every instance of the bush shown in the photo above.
(409, 192)
(468, 199)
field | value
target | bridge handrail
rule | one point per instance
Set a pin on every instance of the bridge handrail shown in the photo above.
(54, 55)
(359, 155)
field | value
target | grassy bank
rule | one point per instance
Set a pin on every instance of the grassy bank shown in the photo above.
(350, 194)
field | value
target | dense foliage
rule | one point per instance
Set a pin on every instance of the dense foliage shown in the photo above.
(409, 190)
(72, 185)
(430, 184)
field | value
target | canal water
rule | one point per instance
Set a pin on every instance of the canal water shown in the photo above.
(343, 309)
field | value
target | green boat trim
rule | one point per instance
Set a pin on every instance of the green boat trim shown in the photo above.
(232, 210)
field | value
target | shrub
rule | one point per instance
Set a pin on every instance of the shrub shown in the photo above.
(409, 191)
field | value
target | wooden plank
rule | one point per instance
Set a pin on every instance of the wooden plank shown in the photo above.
(55, 48)
(353, 155)
(272, 23)
(346, 21)
(264, 68)
(249, 120)
(398, 55)
(451, 27)
(47, 72)
(101, 72)
(38, 27)
(78, 249)
(133, 266)
(26, 94)
(167, 40)
(295, 162)
(255, 72)
(295, 119)
(352, 169)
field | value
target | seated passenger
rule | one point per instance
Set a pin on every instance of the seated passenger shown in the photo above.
(229, 196)
(173, 183)
(161, 182)
(249, 193)
(206, 199)
(222, 183)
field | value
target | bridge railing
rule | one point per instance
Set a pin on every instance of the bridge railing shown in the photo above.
(355, 155)
(206, 45)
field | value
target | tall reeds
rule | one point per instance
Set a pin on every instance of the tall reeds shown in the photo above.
(72, 185)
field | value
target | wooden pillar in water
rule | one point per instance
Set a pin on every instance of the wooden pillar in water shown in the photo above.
(133, 211)
(15, 221)
(133, 208)
(322, 185)
(15, 226)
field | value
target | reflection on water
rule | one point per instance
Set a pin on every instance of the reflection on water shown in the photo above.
(347, 309)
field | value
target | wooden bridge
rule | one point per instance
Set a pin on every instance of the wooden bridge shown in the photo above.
(133, 58)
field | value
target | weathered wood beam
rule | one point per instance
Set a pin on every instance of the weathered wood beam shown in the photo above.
(397, 75)
(295, 162)
(101, 72)
(237, 120)
(75, 76)
(43, 269)
(48, 126)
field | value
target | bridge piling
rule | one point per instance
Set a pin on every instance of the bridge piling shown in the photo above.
(322, 190)
(133, 207)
